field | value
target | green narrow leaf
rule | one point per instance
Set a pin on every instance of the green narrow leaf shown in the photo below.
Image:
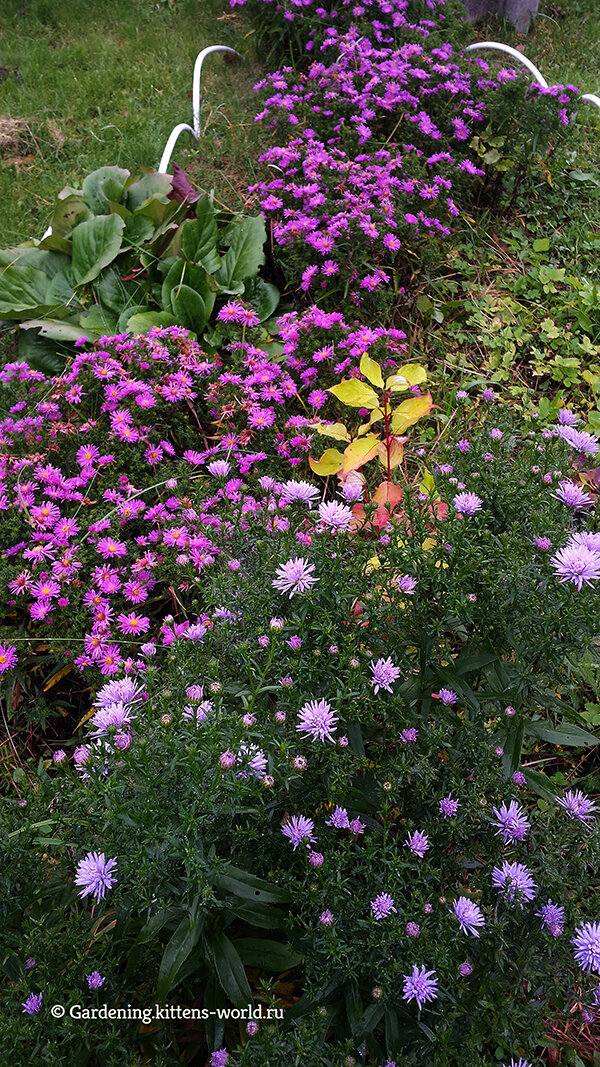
(176, 953)
(230, 971)
(270, 955)
(564, 734)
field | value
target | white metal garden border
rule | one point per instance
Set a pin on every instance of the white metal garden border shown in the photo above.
(183, 126)
(539, 77)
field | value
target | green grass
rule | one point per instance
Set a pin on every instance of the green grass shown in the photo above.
(102, 82)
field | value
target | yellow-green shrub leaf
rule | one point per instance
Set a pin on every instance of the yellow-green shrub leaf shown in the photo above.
(359, 452)
(330, 462)
(338, 431)
(355, 394)
(371, 371)
(410, 411)
(409, 374)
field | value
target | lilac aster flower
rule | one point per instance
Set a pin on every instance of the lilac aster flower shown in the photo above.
(413, 929)
(448, 806)
(567, 418)
(586, 539)
(352, 492)
(219, 468)
(573, 495)
(467, 503)
(543, 543)
(577, 805)
(409, 736)
(406, 584)
(339, 819)
(519, 778)
(447, 696)
(382, 905)
(577, 564)
(302, 491)
(384, 674)
(511, 822)
(488, 394)
(587, 946)
(295, 576)
(298, 828)
(420, 985)
(336, 515)
(553, 918)
(219, 1058)
(95, 980)
(418, 843)
(33, 1004)
(518, 1063)
(465, 969)
(515, 881)
(584, 443)
(326, 917)
(94, 875)
(469, 915)
(317, 719)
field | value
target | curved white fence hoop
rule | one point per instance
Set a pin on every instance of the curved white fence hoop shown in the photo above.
(539, 77)
(183, 126)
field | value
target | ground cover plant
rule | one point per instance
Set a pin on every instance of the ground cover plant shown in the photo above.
(300, 635)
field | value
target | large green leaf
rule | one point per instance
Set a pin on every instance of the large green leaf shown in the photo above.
(230, 971)
(270, 955)
(182, 272)
(99, 321)
(40, 353)
(183, 941)
(199, 237)
(22, 289)
(262, 296)
(60, 294)
(152, 186)
(68, 213)
(111, 291)
(102, 185)
(139, 229)
(57, 329)
(31, 256)
(244, 255)
(191, 309)
(95, 245)
(143, 321)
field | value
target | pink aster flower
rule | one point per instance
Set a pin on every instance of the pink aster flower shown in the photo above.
(8, 658)
(132, 623)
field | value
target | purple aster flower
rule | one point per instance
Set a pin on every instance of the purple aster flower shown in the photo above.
(29, 963)
(463, 445)
(577, 564)
(219, 1058)
(511, 822)
(519, 778)
(469, 915)
(408, 736)
(219, 468)
(352, 492)
(448, 806)
(553, 918)
(382, 906)
(587, 946)
(295, 576)
(467, 503)
(316, 859)
(586, 539)
(515, 881)
(94, 875)
(413, 929)
(339, 819)
(95, 980)
(33, 1004)
(465, 969)
(518, 1063)
(488, 394)
(384, 674)
(421, 986)
(336, 515)
(298, 828)
(418, 843)
(317, 719)
(326, 917)
(577, 805)
(573, 495)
